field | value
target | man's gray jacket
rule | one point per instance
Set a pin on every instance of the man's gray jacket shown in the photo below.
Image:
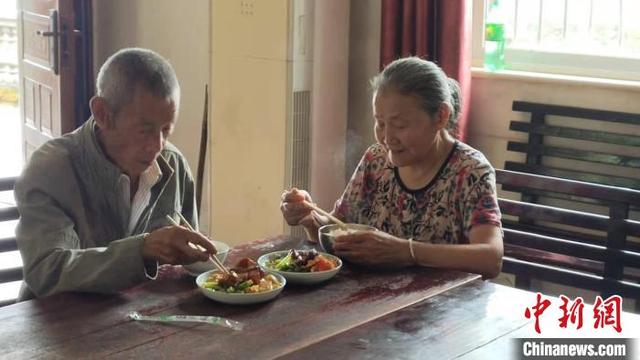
(72, 232)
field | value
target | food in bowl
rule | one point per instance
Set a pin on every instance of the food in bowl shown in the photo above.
(302, 261)
(328, 233)
(247, 277)
(199, 267)
(341, 231)
(308, 267)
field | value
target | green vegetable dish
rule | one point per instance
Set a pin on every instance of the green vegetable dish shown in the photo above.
(302, 261)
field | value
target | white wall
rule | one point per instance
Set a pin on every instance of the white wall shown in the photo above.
(181, 34)
(364, 63)
(251, 70)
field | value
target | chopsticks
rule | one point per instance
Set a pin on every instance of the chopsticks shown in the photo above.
(213, 258)
(325, 213)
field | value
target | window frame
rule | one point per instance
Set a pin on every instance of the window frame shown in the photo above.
(557, 63)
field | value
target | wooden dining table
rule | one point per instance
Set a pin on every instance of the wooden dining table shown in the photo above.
(363, 312)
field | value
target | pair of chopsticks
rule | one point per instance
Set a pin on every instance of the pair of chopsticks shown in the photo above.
(325, 213)
(213, 258)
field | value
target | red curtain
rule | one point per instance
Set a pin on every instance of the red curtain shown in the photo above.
(436, 30)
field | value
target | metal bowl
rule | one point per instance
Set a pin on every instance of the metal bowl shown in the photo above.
(327, 234)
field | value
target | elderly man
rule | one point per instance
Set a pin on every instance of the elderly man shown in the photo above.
(93, 203)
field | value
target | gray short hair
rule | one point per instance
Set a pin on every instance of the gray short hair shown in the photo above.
(129, 68)
(424, 80)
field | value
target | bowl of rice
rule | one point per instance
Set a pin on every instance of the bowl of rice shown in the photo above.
(327, 234)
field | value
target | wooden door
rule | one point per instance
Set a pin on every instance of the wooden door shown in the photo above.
(54, 40)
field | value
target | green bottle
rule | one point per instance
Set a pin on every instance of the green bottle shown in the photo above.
(493, 38)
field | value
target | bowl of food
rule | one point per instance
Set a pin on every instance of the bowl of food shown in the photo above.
(199, 267)
(304, 267)
(246, 283)
(327, 234)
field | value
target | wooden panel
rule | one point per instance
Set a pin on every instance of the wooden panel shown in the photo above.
(575, 175)
(616, 239)
(537, 118)
(39, 6)
(573, 248)
(9, 213)
(36, 49)
(569, 234)
(7, 183)
(572, 278)
(47, 125)
(11, 274)
(562, 233)
(573, 133)
(8, 244)
(531, 253)
(564, 186)
(554, 214)
(577, 112)
(29, 101)
(7, 302)
(555, 195)
(568, 153)
(562, 261)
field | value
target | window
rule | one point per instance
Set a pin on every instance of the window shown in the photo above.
(597, 38)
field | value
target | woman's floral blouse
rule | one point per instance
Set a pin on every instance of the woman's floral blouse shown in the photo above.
(461, 195)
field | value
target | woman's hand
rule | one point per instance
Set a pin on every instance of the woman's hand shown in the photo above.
(373, 248)
(294, 210)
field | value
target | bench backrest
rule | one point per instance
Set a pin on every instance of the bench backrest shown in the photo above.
(540, 153)
(569, 247)
(8, 243)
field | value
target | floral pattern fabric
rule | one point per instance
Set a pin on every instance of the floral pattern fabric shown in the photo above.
(462, 194)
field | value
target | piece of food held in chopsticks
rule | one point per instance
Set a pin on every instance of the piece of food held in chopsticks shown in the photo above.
(246, 277)
(302, 261)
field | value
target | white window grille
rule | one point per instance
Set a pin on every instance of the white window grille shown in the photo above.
(598, 38)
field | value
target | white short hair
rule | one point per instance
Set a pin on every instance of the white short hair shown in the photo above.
(129, 68)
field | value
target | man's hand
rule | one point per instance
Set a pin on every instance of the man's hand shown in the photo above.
(171, 245)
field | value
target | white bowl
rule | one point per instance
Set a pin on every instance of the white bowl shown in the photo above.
(303, 278)
(199, 267)
(238, 298)
(327, 234)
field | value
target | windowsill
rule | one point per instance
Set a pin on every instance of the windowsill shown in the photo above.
(480, 72)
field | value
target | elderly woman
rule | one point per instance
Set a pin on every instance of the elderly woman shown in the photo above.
(432, 197)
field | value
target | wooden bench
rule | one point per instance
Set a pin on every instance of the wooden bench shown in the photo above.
(9, 243)
(569, 247)
(545, 157)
